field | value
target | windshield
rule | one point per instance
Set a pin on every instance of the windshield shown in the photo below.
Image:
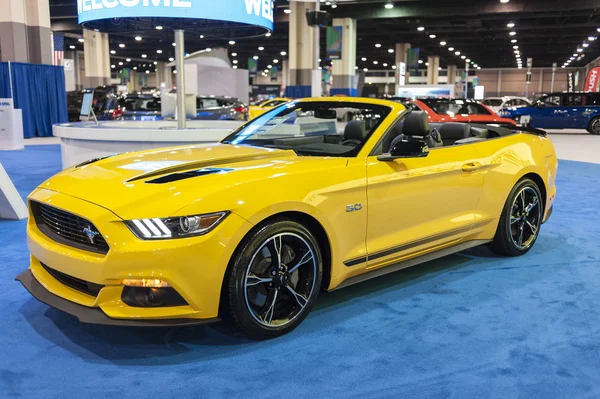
(313, 128)
(493, 102)
(456, 107)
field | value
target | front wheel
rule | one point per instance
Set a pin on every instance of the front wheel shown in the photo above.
(275, 279)
(594, 126)
(521, 219)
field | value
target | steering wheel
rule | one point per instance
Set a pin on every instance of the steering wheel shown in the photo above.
(352, 142)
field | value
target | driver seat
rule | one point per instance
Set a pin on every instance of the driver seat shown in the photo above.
(354, 133)
(416, 124)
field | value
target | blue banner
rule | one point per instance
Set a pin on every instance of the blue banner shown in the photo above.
(250, 12)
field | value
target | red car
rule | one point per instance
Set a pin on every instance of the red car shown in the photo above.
(458, 110)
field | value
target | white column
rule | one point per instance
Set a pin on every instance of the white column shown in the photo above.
(343, 69)
(432, 70)
(97, 58)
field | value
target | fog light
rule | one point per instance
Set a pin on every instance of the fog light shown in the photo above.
(145, 283)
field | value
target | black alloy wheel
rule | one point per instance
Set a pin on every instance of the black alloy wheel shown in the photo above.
(275, 279)
(521, 219)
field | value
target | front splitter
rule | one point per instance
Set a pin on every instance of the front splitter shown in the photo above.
(95, 315)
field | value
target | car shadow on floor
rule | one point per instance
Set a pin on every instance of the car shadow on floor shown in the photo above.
(128, 346)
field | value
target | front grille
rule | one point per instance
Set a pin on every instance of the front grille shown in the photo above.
(66, 228)
(77, 284)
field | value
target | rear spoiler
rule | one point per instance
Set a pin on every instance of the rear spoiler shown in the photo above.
(532, 130)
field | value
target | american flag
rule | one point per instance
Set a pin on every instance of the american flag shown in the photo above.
(59, 49)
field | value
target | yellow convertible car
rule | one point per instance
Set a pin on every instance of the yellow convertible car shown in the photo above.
(257, 110)
(251, 229)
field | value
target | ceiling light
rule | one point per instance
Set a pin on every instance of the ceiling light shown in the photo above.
(432, 36)
(171, 59)
(468, 60)
(80, 40)
(113, 52)
(439, 68)
(393, 66)
(575, 55)
(427, 63)
(268, 34)
(135, 68)
(365, 69)
(158, 51)
(334, 5)
(363, 58)
(389, 6)
(462, 57)
(255, 57)
(515, 47)
(375, 62)
(261, 48)
(355, 67)
(144, 56)
(72, 47)
(504, 1)
(512, 33)
(422, 28)
(579, 50)
(113, 66)
(442, 43)
(586, 45)
(235, 61)
(138, 38)
(377, 45)
(283, 53)
(450, 48)
(390, 50)
(420, 61)
(287, 11)
(234, 54)
(122, 45)
(591, 38)
(128, 60)
(235, 67)
(385, 64)
(208, 49)
(510, 25)
(457, 53)
(478, 67)
(232, 42)
(513, 41)
(275, 61)
(159, 27)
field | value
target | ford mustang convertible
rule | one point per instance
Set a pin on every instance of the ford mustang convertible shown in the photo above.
(292, 203)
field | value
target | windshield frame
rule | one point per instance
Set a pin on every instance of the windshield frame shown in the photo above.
(331, 103)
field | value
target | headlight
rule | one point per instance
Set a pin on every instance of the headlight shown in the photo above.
(177, 227)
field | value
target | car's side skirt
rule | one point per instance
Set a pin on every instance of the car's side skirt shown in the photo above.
(410, 262)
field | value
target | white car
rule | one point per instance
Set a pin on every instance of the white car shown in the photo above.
(497, 103)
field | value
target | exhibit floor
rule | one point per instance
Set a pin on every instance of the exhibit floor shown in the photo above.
(472, 325)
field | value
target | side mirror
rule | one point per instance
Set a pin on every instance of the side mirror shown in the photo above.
(540, 105)
(406, 149)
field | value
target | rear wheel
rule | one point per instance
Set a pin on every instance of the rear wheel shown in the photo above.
(275, 279)
(520, 221)
(594, 126)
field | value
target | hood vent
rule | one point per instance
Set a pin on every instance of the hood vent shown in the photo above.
(186, 175)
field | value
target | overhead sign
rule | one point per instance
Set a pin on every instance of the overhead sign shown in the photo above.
(250, 12)
(591, 82)
(334, 42)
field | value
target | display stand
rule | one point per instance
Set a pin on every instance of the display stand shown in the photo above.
(11, 126)
(11, 204)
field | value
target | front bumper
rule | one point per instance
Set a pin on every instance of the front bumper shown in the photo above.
(95, 315)
(194, 267)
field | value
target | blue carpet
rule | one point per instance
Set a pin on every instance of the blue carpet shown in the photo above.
(466, 326)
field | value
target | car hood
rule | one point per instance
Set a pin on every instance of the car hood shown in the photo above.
(159, 183)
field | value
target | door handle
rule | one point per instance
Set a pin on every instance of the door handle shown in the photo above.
(471, 167)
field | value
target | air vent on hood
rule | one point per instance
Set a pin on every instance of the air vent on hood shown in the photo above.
(187, 175)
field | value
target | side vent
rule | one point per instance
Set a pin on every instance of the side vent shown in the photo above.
(186, 175)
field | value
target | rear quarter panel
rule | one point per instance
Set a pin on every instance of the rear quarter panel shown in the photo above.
(507, 160)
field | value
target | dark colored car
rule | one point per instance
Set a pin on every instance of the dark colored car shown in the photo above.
(136, 108)
(220, 108)
(559, 111)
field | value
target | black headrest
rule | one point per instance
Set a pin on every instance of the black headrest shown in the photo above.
(355, 130)
(454, 130)
(416, 124)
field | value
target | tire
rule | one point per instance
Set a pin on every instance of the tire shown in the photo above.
(268, 295)
(520, 221)
(594, 126)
